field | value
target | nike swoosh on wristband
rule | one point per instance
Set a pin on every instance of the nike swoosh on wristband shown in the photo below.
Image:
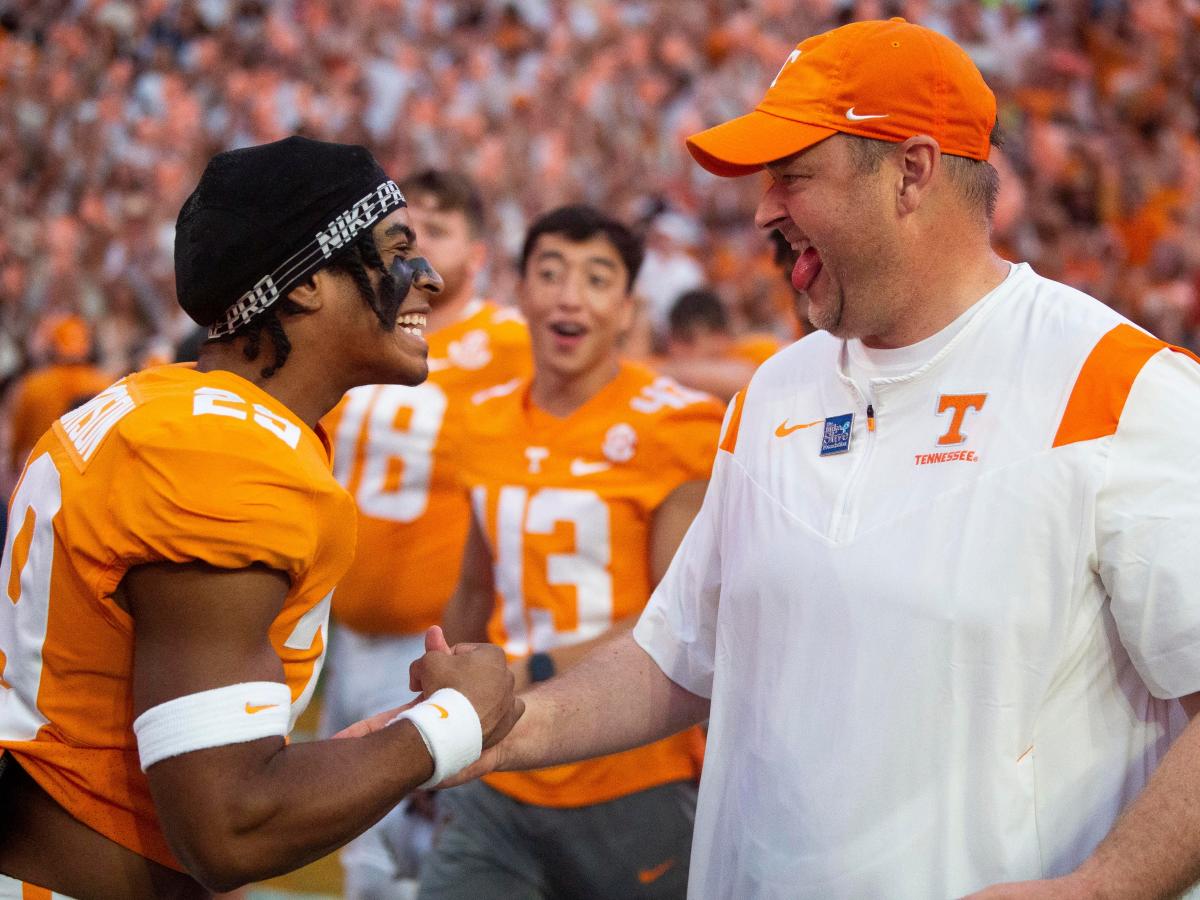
(252, 709)
(581, 467)
(441, 709)
(856, 117)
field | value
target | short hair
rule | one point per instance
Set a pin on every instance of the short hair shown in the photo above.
(580, 223)
(697, 308)
(977, 180)
(451, 191)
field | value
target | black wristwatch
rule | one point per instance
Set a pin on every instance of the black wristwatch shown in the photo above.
(541, 666)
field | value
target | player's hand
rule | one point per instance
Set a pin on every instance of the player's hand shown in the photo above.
(373, 723)
(435, 642)
(480, 672)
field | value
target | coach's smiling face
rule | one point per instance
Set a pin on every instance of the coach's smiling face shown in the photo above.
(844, 223)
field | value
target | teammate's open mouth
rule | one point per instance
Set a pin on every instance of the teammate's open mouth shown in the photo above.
(567, 334)
(412, 323)
(806, 270)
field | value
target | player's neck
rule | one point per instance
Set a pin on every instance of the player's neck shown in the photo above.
(446, 311)
(560, 394)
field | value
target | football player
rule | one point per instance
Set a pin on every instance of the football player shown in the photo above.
(172, 548)
(583, 479)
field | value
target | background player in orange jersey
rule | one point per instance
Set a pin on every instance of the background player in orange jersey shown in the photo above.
(395, 451)
(703, 350)
(66, 378)
(172, 547)
(583, 480)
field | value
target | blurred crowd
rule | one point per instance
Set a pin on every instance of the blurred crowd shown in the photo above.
(109, 109)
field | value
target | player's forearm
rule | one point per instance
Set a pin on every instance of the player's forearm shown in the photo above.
(298, 804)
(615, 699)
(1154, 849)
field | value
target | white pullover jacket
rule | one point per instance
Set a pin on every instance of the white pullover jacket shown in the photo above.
(941, 641)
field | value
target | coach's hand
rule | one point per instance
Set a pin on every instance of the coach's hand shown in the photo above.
(478, 671)
(1069, 887)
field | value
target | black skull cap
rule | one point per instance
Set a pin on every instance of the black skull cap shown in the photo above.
(265, 218)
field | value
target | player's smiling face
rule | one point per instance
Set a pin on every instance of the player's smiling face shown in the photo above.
(398, 355)
(575, 296)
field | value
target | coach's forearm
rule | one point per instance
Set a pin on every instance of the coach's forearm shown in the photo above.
(1154, 849)
(615, 699)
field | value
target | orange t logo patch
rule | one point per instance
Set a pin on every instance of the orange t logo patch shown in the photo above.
(960, 403)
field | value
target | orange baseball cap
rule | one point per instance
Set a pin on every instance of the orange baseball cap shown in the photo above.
(884, 80)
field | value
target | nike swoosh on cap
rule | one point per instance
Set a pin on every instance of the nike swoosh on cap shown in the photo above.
(856, 117)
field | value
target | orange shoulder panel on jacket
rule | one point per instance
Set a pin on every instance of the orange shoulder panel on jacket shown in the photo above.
(1098, 397)
(729, 438)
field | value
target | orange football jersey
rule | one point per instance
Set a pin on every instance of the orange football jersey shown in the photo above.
(173, 465)
(567, 507)
(394, 450)
(45, 394)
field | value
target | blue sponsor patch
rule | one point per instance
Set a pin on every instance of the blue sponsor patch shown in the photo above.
(835, 438)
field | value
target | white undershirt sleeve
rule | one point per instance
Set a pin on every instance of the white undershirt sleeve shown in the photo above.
(1148, 525)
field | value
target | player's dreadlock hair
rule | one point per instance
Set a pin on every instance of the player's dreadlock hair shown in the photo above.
(353, 260)
(253, 330)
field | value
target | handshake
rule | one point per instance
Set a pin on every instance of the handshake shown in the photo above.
(468, 675)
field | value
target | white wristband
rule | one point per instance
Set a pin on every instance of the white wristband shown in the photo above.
(449, 726)
(232, 714)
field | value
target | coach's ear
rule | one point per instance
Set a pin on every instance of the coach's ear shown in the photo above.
(918, 160)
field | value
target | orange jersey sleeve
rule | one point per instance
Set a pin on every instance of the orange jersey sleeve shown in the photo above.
(42, 396)
(167, 465)
(567, 506)
(395, 451)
